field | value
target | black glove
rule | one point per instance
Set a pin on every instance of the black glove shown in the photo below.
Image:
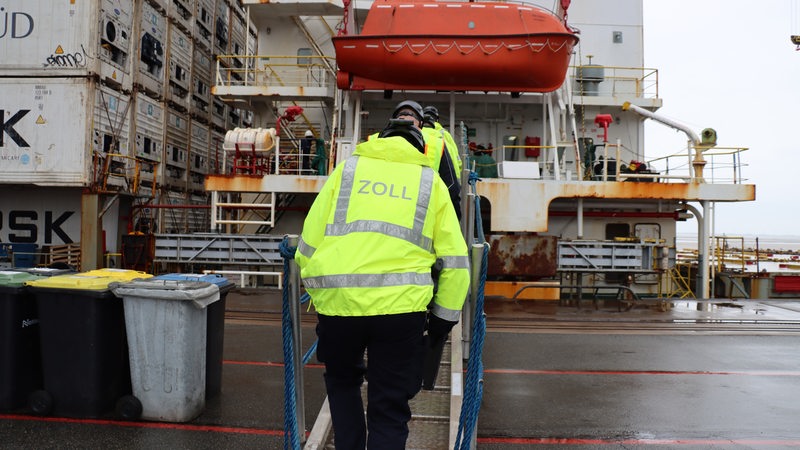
(438, 327)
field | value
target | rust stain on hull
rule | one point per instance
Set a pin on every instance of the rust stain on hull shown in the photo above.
(522, 257)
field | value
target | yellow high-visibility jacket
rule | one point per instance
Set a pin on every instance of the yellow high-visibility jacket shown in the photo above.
(377, 226)
(450, 146)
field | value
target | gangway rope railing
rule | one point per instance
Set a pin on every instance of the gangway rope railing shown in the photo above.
(291, 438)
(473, 386)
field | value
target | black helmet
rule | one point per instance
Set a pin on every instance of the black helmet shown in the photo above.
(432, 112)
(411, 106)
(404, 129)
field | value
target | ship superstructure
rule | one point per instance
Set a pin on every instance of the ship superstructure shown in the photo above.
(193, 116)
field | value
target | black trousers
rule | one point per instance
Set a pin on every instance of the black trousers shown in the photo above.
(395, 350)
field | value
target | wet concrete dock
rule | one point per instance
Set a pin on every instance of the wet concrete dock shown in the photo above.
(682, 374)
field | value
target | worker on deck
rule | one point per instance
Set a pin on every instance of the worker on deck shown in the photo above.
(306, 145)
(369, 241)
(484, 165)
(440, 159)
(431, 118)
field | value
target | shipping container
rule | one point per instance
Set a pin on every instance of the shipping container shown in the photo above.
(238, 44)
(222, 23)
(198, 155)
(204, 23)
(176, 149)
(54, 126)
(181, 12)
(252, 49)
(179, 58)
(149, 71)
(216, 152)
(45, 38)
(161, 5)
(49, 216)
(234, 119)
(201, 84)
(198, 218)
(149, 125)
(219, 113)
(173, 219)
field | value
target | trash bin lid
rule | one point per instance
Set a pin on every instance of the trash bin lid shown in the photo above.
(46, 271)
(74, 281)
(200, 293)
(214, 278)
(14, 278)
(117, 274)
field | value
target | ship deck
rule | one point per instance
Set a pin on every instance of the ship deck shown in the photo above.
(687, 374)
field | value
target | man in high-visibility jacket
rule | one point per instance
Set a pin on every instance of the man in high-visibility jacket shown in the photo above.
(431, 116)
(441, 160)
(376, 228)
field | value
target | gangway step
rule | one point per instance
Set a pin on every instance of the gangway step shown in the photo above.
(430, 425)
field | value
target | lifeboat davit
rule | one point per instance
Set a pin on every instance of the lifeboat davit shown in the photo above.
(456, 46)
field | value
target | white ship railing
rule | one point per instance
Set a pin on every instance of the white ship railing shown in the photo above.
(723, 165)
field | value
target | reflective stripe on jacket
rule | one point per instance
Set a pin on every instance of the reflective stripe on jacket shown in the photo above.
(373, 233)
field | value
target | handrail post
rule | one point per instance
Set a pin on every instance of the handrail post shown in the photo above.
(297, 361)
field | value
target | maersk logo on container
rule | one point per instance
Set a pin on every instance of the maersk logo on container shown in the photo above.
(29, 226)
(7, 126)
(15, 24)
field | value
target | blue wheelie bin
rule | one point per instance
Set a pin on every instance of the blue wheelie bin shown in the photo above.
(20, 354)
(85, 363)
(215, 329)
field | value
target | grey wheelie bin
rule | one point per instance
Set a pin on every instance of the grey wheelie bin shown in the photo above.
(166, 327)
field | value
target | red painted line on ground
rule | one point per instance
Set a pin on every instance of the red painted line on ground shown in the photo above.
(760, 373)
(154, 425)
(695, 442)
(268, 364)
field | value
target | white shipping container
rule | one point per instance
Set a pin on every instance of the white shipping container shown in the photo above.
(152, 47)
(173, 220)
(49, 216)
(219, 112)
(234, 119)
(199, 219)
(222, 23)
(200, 146)
(181, 12)
(198, 156)
(149, 126)
(201, 84)
(161, 5)
(51, 127)
(204, 23)
(180, 65)
(238, 46)
(59, 38)
(252, 49)
(177, 149)
(216, 153)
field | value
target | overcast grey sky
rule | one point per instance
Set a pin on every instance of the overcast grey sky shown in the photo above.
(729, 65)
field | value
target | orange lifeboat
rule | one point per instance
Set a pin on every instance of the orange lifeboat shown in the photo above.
(456, 46)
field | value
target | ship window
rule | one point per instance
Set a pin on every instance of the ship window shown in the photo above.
(303, 56)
